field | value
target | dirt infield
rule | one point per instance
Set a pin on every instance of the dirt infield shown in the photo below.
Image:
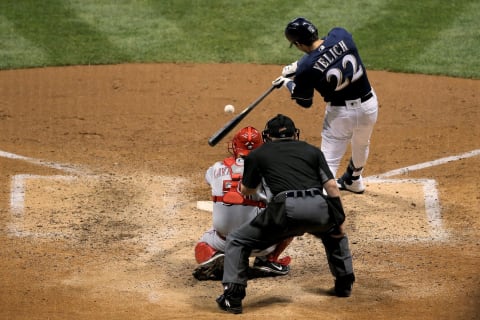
(102, 168)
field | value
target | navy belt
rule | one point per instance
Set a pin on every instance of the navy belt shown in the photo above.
(281, 196)
(341, 103)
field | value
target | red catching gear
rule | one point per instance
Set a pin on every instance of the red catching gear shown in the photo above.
(231, 193)
(244, 141)
(285, 261)
(203, 252)
(280, 247)
(244, 201)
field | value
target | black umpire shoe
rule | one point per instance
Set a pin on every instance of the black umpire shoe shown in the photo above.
(230, 304)
(231, 299)
(343, 285)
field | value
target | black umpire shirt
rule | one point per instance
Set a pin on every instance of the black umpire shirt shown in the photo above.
(286, 165)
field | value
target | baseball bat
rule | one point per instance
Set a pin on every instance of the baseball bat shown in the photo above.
(220, 134)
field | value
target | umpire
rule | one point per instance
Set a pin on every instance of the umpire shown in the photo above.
(296, 173)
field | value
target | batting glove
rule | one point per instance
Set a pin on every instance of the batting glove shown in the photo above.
(290, 70)
(280, 81)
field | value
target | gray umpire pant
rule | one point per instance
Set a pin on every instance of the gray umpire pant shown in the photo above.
(287, 217)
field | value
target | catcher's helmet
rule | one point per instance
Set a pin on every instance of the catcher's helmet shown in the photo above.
(300, 30)
(281, 127)
(244, 141)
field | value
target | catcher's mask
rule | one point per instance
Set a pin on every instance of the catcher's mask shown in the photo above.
(244, 141)
(281, 127)
(300, 30)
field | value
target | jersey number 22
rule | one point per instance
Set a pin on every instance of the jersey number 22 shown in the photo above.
(338, 73)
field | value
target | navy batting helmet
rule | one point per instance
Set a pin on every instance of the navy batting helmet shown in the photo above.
(300, 30)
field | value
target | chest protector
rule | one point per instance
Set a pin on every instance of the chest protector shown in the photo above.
(231, 193)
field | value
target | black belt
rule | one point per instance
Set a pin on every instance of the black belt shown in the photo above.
(341, 103)
(281, 196)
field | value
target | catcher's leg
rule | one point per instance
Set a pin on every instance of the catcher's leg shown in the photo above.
(280, 247)
(210, 262)
(271, 265)
(203, 252)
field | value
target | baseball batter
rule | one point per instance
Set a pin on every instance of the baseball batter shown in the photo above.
(332, 66)
(231, 210)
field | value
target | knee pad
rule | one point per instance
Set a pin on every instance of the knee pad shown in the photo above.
(203, 252)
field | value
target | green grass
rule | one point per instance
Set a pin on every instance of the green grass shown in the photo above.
(433, 37)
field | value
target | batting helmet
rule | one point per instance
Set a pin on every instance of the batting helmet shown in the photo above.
(244, 141)
(300, 30)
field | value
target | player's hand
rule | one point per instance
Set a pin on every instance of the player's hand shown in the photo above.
(280, 81)
(290, 70)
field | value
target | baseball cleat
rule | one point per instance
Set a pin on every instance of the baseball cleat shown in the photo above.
(352, 184)
(231, 299)
(343, 286)
(231, 305)
(270, 267)
(211, 269)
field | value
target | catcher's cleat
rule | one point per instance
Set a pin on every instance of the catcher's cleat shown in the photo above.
(211, 269)
(343, 285)
(273, 268)
(352, 184)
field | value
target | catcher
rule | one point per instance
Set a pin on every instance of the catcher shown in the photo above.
(231, 210)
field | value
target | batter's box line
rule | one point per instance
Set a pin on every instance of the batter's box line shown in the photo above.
(53, 165)
(432, 203)
(430, 191)
(17, 205)
(17, 193)
(428, 164)
(433, 208)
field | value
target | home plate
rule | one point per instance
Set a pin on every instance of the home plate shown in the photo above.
(205, 205)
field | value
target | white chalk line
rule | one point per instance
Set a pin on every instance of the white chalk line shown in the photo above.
(428, 164)
(432, 203)
(17, 193)
(53, 165)
(17, 196)
(431, 199)
(19, 190)
(17, 205)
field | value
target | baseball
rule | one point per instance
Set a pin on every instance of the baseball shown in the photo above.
(229, 108)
